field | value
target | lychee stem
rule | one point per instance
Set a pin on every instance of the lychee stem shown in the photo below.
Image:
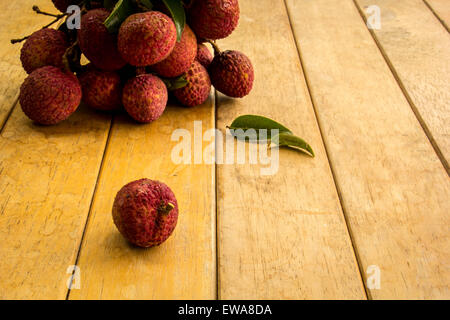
(215, 47)
(166, 208)
(39, 11)
(69, 55)
(57, 18)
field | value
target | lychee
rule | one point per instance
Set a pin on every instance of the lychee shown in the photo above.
(97, 44)
(102, 90)
(145, 97)
(232, 73)
(204, 56)
(146, 38)
(198, 88)
(181, 57)
(213, 19)
(49, 95)
(62, 5)
(45, 47)
(145, 212)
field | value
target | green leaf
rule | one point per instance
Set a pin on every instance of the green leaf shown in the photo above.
(175, 83)
(286, 139)
(179, 83)
(109, 4)
(121, 11)
(176, 9)
(257, 123)
(146, 3)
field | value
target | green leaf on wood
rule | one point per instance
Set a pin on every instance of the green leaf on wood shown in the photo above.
(286, 139)
(176, 9)
(257, 123)
(283, 138)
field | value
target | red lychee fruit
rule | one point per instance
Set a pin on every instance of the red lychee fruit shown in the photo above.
(204, 56)
(102, 90)
(97, 44)
(44, 47)
(198, 88)
(146, 38)
(232, 73)
(145, 212)
(49, 95)
(181, 57)
(213, 19)
(62, 5)
(145, 98)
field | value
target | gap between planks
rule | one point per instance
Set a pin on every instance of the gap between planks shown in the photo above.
(8, 116)
(405, 92)
(216, 103)
(91, 204)
(338, 190)
(442, 21)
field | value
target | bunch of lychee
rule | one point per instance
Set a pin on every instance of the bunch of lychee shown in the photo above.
(133, 67)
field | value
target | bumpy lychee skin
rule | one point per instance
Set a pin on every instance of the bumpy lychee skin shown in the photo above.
(45, 47)
(204, 56)
(49, 95)
(198, 88)
(102, 90)
(145, 98)
(146, 38)
(97, 44)
(181, 57)
(62, 5)
(232, 74)
(145, 212)
(214, 19)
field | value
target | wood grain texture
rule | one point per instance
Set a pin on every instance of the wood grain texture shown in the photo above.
(47, 179)
(280, 236)
(418, 49)
(395, 191)
(441, 8)
(17, 20)
(184, 267)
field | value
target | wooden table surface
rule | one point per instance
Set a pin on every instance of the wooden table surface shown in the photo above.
(372, 205)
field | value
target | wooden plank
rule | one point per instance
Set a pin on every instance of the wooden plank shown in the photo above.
(47, 179)
(441, 8)
(184, 267)
(394, 189)
(417, 48)
(281, 236)
(16, 20)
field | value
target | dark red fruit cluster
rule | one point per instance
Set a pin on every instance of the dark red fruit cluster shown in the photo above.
(134, 66)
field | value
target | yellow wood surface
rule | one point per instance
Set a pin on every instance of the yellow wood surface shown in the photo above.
(441, 9)
(47, 179)
(417, 47)
(283, 235)
(184, 267)
(395, 190)
(17, 20)
(376, 194)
